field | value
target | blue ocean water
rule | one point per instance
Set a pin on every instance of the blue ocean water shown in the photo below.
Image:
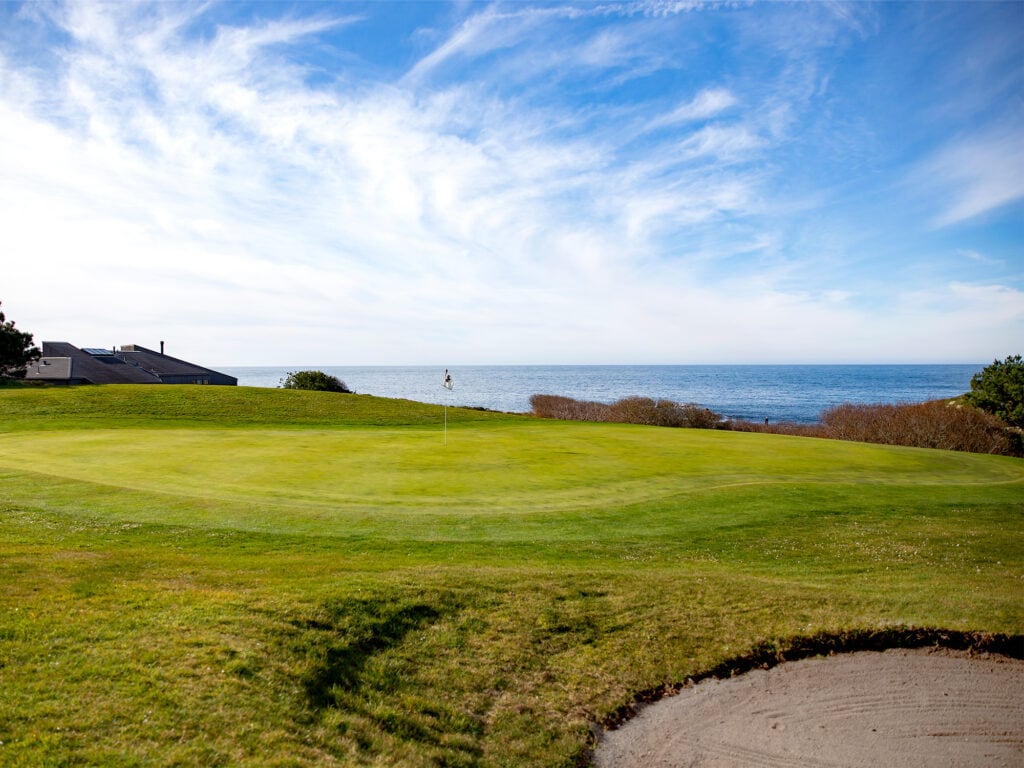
(797, 393)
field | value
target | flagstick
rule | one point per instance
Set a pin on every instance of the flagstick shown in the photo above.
(447, 384)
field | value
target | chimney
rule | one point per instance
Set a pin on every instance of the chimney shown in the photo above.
(161, 347)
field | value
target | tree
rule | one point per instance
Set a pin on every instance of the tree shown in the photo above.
(315, 380)
(999, 389)
(16, 350)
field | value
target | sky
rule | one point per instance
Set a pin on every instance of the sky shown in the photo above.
(421, 183)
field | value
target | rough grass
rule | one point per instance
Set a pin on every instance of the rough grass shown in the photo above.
(230, 576)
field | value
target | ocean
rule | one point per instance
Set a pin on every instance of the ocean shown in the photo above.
(797, 393)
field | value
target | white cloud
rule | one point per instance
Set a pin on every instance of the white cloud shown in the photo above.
(706, 104)
(725, 143)
(199, 190)
(479, 34)
(981, 174)
(1001, 303)
(975, 256)
(311, 208)
(662, 8)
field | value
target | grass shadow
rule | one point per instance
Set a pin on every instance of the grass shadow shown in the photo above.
(353, 632)
(371, 697)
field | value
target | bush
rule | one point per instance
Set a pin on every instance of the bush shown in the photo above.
(634, 410)
(629, 410)
(999, 389)
(698, 417)
(662, 413)
(558, 407)
(16, 350)
(948, 425)
(775, 428)
(314, 380)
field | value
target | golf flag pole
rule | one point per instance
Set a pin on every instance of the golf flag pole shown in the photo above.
(449, 385)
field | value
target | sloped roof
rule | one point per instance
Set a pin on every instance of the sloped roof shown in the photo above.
(131, 364)
(107, 369)
(161, 364)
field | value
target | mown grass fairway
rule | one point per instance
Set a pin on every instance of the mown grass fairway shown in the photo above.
(230, 576)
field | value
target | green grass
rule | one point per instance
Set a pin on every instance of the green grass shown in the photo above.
(232, 576)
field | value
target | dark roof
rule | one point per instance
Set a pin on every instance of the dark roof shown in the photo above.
(166, 366)
(106, 369)
(131, 364)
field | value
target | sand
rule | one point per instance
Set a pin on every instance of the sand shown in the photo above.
(897, 708)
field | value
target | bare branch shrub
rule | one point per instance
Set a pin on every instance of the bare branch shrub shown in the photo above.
(776, 428)
(628, 410)
(943, 424)
(698, 417)
(558, 407)
(663, 413)
(949, 425)
(634, 410)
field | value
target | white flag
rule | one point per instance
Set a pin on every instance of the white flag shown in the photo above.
(447, 383)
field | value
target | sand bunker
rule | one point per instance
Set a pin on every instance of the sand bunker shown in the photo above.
(901, 707)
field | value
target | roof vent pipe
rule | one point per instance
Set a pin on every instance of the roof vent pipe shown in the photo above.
(161, 347)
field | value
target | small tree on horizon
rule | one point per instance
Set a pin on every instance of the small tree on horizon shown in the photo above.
(314, 380)
(16, 350)
(999, 389)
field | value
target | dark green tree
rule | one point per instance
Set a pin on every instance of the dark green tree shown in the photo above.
(999, 389)
(315, 380)
(16, 350)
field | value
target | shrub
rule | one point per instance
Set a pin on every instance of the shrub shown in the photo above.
(698, 417)
(663, 413)
(628, 410)
(775, 428)
(314, 380)
(949, 425)
(558, 407)
(16, 350)
(937, 424)
(634, 410)
(999, 389)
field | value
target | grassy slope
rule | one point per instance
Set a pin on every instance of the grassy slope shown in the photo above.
(204, 576)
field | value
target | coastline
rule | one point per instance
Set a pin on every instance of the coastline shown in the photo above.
(791, 393)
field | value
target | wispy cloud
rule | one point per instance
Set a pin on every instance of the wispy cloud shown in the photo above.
(979, 174)
(708, 103)
(548, 183)
(980, 258)
(484, 32)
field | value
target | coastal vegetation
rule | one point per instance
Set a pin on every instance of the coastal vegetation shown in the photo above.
(16, 350)
(203, 576)
(629, 410)
(950, 425)
(953, 425)
(316, 381)
(999, 389)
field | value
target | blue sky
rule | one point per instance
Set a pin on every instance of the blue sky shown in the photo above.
(469, 183)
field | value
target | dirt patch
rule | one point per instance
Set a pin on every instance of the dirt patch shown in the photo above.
(908, 707)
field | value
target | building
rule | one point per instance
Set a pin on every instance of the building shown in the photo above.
(63, 363)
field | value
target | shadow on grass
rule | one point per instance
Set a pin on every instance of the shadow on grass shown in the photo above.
(356, 631)
(370, 695)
